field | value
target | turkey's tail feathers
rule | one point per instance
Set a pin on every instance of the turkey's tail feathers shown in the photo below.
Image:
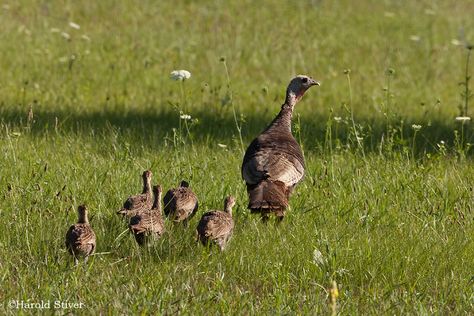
(267, 196)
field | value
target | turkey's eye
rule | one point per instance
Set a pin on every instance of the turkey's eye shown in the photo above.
(305, 80)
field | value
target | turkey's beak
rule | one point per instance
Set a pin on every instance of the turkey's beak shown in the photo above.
(314, 83)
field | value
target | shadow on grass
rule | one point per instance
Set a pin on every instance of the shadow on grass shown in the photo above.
(318, 133)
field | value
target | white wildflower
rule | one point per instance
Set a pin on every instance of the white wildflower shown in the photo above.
(415, 38)
(66, 35)
(86, 38)
(222, 145)
(185, 117)
(318, 258)
(416, 127)
(343, 271)
(63, 59)
(463, 118)
(74, 25)
(456, 42)
(180, 75)
(338, 119)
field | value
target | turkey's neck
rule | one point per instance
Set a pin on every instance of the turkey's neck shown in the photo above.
(282, 121)
(146, 185)
(228, 208)
(83, 218)
(156, 203)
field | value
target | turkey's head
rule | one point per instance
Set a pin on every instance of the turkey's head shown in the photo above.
(146, 174)
(146, 181)
(157, 189)
(184, 184)
(297, 87)
(229, 204)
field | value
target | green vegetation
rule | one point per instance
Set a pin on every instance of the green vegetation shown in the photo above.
(386, 208)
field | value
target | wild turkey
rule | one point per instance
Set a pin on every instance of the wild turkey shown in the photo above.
(217, 226)
(181, 204)
(273, 163)
(140, 202)
(148, 224)
(80, 238)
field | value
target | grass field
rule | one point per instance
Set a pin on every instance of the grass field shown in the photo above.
(385, 209)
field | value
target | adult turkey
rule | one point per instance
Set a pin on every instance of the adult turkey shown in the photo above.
(80, 238)
(140, 202)
(181, 204)
(149, 224)
(273, 163)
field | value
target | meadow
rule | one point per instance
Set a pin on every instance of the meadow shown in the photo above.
(385, 210)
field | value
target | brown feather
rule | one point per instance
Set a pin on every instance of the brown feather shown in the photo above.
(267, 195)
(273, 163)
(217, 226)
(148, 224)
(136, 204)
(180, 204)
(80, 238)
